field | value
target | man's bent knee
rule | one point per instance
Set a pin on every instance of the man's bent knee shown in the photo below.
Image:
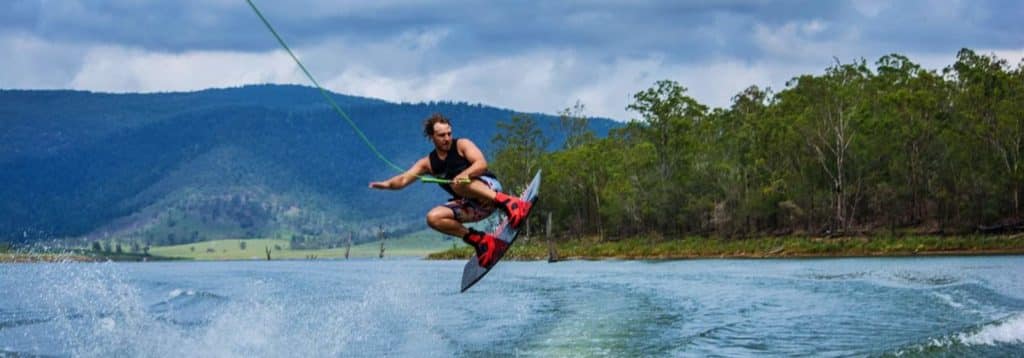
(437, 215)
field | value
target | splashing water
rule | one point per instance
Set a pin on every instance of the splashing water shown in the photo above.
(1008, 331)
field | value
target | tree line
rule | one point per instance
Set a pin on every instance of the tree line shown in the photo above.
(886, 149)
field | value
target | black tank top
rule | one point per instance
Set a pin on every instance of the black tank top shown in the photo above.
(451, 166)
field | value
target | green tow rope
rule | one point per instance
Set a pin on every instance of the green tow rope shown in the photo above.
(423, 178)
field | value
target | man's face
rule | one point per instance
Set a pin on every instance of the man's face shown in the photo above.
(442, 136)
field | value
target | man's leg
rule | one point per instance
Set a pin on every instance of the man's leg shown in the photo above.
(442, 219)
(476, 189)
(514, 207)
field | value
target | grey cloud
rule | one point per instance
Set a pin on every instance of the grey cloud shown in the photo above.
(596, 50)
(490, 26)
(678, 30)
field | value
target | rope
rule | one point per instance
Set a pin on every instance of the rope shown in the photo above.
(326, 95)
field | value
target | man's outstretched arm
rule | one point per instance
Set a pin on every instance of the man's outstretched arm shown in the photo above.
(403, 180)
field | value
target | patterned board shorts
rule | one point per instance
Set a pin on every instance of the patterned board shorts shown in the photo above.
(470, 210)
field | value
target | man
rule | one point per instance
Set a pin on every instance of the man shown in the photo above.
(475, 191)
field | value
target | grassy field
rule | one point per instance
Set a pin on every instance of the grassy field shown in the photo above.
(701, 247)
(417, 244)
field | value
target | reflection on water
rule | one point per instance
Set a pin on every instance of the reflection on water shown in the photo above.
(896, 306)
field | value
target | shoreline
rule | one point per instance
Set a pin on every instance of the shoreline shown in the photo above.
(786, 257)
(655, 249)
(446, 255)
(21, 257)
(645, 248)
(461, 256)
(18, 258)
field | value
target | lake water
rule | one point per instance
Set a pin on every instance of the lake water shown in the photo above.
(952, 306)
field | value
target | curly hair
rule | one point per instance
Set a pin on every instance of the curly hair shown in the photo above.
(428, 125)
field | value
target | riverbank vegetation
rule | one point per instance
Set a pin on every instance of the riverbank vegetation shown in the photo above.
(654, 248)
(858, 151)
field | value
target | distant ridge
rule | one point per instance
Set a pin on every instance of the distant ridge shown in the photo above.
(178, 167)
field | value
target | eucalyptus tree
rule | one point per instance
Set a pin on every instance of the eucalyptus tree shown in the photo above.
(912, 109)
(829, 112)
(576, 125)
(990, 110)
(669, 120)
(519, 145)
(740, 138)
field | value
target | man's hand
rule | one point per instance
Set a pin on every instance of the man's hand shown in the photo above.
(462, 179)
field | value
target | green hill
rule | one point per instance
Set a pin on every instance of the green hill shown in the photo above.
(257, 161)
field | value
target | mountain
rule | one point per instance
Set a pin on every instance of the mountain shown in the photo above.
(262, 160)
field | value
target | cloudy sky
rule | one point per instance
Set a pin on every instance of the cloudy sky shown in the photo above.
(537, 56)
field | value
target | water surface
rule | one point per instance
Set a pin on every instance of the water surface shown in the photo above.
(829, 307)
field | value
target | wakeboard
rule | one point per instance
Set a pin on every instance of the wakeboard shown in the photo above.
(473, 272)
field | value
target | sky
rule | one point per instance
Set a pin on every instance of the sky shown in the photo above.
(530, 55)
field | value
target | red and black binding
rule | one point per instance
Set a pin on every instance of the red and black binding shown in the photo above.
(515, 208)
(488, 248)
